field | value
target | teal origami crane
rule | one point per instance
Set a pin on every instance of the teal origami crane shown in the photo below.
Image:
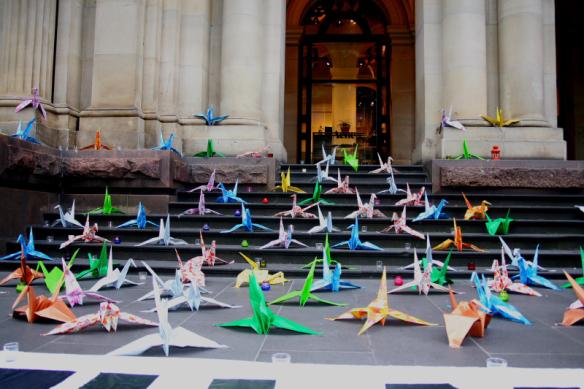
(499, 226)
(246, 222)
(466, 154)
(166, 145)
(28, 248)
(209, 118)
(355, 243)
(528, 273)
(107, 208)
(352, 160)
(210, 151)
(140, 220)
(579, 280)
(229, 196)
(431, 211)
(98, 267)
(331, 280)
(316, 196)
(24, 134)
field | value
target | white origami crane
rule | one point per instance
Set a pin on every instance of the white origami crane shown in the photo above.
(328, 158)
(201, 209)
(297, 210)
(385, 167)
(174, 287)
(342, 186)
(515, 256)
(322, 176)
(67, 219)
(323, 224)
(435, 262)
(192, 297)
(392, 186)
(163, 236)
(114, 278)
(210, 185)
(448, 122)
(284, 239)
(367, 209)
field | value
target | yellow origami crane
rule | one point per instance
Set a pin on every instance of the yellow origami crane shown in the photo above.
(499, 122)
(457, 242)
(286, 185)
(261, 275)
(476, 212)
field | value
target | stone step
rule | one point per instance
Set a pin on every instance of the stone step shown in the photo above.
(360, 178)
(347, 169)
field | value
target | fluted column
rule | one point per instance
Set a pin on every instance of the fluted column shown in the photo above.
(521, 90)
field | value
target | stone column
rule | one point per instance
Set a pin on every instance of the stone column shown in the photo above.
(464, 58)
(521, 90)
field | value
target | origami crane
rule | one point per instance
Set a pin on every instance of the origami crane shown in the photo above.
(208, 256)
(263, 318)
(322, 176)
(465, 318)
(385, 167)
(327, 257)
(108, 316)
(174, 287)
(210, 151)
(98, 267)
(229, 196)
(163, 236)
(210, 185)
(27, 248)
(439, 276)
(209, 118)
(323, 225)
(316, 196)
(399, 225)
(579, 280)
(114, 278)
(284, 239)
(297, 210)
(528, 274)
(378, 310)
(355, 243)
(494, 304)
(24, 273)
(246, 222)
(192, 298)
(201, 209)
(516, 255)
(34, 101)
(448, 122)
(97, 145)
(304, 294)
(352, 160)
(254, 154)
(54, 278)
(502, 281)
(478, 212)
(191, 271)
(431, 211)
(457, 241)
(74, 294)
(331, 280)
(499, 122)
(24, 134)
(392, 186)
(466, 154)
(326, 158)
(67, 219)
(140, 220)
(580, 207)
(166, 145)
(499, 226)
(435, 262)
(574, 314)
(107, 208)
(412, 199)
(285, 185)
(88, 236)
(261, 276)
(342, 186)
(366, 210)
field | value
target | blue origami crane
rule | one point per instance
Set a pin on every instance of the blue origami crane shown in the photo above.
(209, 117)
(354, 243)
(515, 255)
(166, 145)
(29, 251)
(432, 211)
(229, 196)
(528, 273)
(246, 222)
(140, 220)
(495, 304)
(331, 280)
(24, 134)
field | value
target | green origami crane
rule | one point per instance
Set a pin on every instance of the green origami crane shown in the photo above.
(499, 226)
(327, 249)
(263, 318)
(316, 196)
(54, 278)
(107, 206)
(579, 280)
(439, 276)
(466, 154)
(97, 267)
(305, 292)
(352, 160)
(210, 151)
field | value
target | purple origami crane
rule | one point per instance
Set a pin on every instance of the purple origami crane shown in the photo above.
(35, 102)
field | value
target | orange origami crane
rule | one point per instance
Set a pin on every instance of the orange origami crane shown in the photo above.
(25, 273)
(457, 241)
(97, 145)
(478, 212)
(378, 310)
(574, 315)
(466, 318)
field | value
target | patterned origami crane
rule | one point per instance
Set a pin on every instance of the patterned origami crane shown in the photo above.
(465, 318)
(284, 239)
(399, 225)
(499, 226)
(322, 176)
(342, 186)
(208, 255)
(67, 219)
(435, 262)
(285, 185)
(352, 160)
(412, 199)
(366, 210)
(297, 210)
(385, 167)
(392, 186)
(210, 151)
(98, 267)
(163, 236)
(528, 273)
(210, 185)
(355, 243)
(114, 278)
(457, 242)
(28, 249)
(263, 318)
(448, 122)
(466, 154)
(140, 220)
(34, 101)
(191, 271)
(107, 208)
(304, 294)
(494, 304)
(431, 211)
(499, 122)
(261, 276)
(88, 236)
(24, 273)
(24, 134)
(201, 210)
(316, 196)
(209, 118)
(478, 212)
(326, 158)
(166, 145)
(246, 222)
(579, 280)
(97, 145)
(331, 280)
(229, 196)
(574, 314)
(378, 310)
(502, 281)
(255, 154)
(323, 224)
(74, 294)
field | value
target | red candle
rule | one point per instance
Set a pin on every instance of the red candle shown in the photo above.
(398, 281)
(471, 266)
(266, 200)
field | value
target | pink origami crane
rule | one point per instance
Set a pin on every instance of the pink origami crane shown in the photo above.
(448, 122)
(342, 186)
(210, 185)
(284, 239)
(385, 167)
(35, 102)
(88, 236)
(108, 316)
(191, 271)
(297, 210)
(208, 256)
(201, 209)
(254, 154)
(413, 199)
(367, 209)
(399, 224)
(503, 282)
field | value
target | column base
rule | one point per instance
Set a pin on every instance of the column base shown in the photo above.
(128, 124)
(229, 140)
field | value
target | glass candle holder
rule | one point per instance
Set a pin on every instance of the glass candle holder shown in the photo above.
(117, 240)
(319, 246)
(471, 266)
(496, 362)
(142, 275)
(11, 352)
(197, 242)
(379, 265)
(363, 228)
(408, 246)
(50, 238)
(262, 263)
(46, 223)
(110, 223)
(377, 202)
(281, 358)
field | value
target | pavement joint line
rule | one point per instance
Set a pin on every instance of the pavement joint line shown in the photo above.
(530, 353)
(557, 328)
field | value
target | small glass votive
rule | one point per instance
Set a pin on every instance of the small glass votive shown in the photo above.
(50, 238)
(452, 230)
(76, 149)
(379, 265)
(11, 352)
(270, 155)
(281, 358)
(319, 246)
(303, 170)
(46, 223)
(377, 202)
(142, 275)
(119, 148)
(302, 162)
(197, 242)
(408, 246)
(110, 223)
(261, 262)
(471, 266)
(363, 228)
(249, 189)
(496, 362)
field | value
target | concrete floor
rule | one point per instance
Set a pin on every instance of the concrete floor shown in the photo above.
(543, 345)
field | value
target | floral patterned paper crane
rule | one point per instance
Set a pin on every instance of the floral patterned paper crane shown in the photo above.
(502, 281)
(478, 212)
(342, 186)
(399, 225)
(366, 210)
(201, 210)
(74, 294)
(284, 238)
(448, 122)
(191, 270)
(88, 236)
(412, 199)
(34, 101)
(297, 210)
(385, 167)
(255, 154)
(457, 242)
(210, 185)
(208, 255)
